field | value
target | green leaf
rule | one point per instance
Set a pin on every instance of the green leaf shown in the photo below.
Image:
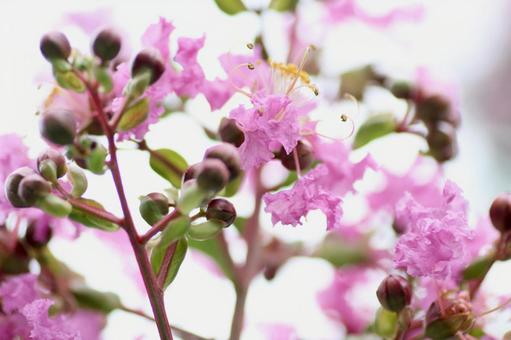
(104, 79)
(375, 127)
(355, 81)
(231, 7)
(69, 80)
(177, 260)
(212, 249)
(205, 230)
(89, 220)
(386, 322)
(89, 298)
(478, 268)
(283, 5)
(174, 231)
(339, 252)
(134, 115)
(54, 205)
(169, 165)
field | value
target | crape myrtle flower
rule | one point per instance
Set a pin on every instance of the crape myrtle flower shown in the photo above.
(437, 239)
(321, 188)
(25, 314)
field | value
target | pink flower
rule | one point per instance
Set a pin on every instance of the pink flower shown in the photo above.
(289, 206)
(437, 238)
(342, 10)
(18, 292)
(279, 332)
(158, 36)
(338, 302)
(189, 81)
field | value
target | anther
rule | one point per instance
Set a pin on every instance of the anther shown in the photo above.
(251, 66)
(250, 46)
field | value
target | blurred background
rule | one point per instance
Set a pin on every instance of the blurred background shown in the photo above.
(466, 42)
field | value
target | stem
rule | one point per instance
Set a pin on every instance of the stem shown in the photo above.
(159, 226)
(165, 266)
(154, 292)
(252, 237)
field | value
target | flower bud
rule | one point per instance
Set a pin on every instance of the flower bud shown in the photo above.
(38, 236)
(402, 90)
(441, 140)
(150, 60)
(394, 293)
(500, 212)
(228, 154)
(305, 157)
(221, 210)
(78, 180)
(212, 175)
(433, 109)
(230, 132)
(12, 185)
(58, 127)
(204, 231)
(51, 164)
(457, 317)
(191, 172)
(106, 45)
(54, 45)
(153, 207)
(33, 187)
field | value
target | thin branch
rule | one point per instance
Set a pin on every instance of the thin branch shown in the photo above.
(159, 226)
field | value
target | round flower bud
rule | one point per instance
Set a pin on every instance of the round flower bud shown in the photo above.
(56, 158)
(33, 187)
(58, 127)
(402, 90)
(221, 210)
(228, 154)
(434, 108)
(54, 45)
(150, 60)
(230, 132)
(305, 157)
(457, 317)
(191, 172)
(12, 184)
(212, 175)
(106, 45)
(500, 212)
(38, 236)
(153, 207)
(394, 293)
(441, 140)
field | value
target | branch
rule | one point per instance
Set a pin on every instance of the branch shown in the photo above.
(159, 226)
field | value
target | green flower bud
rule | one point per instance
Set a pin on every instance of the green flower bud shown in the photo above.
(12, 185)
(230, 132)
(58, 127)
(458, 317)
(212, 175)
(54, 45)
(500, 212)
(153, 207)
(394, 293)
(221, 210)
(150, 60)
(305, 157)
(32, 188)
(78, 180)
(106, 45)
(402, 90)
(228, 154)
(51, 164)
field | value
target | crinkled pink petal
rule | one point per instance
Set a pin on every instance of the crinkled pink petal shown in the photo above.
(18, 291)
(89, 22)
(158, 35)
(217, 92)
(188, 82)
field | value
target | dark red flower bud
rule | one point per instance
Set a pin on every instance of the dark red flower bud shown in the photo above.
(191, 172)
(58, 127)
(106, 45)
(500, 212)
(33, 187)
(394, 293)
(228, 154)
(221, 210)
(305, 157)
(54, 45)
(58, 159)
(433, 109)
(38, 236)
(148, 60)
(12, 184)
(441, 140)
(153, 207)
(212, 175)
(230, 132)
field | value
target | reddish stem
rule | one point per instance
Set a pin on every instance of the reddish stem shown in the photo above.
(154, 292)
(165, 266)
(159, 226)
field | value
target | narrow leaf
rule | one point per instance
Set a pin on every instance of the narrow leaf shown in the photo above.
(169, 165)
(478, 269)
(135, 115)
(89, 220)
(89, 298)
(231, 7)
(212, 249)
(283, 5)
(373, 128)
(177, 260)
